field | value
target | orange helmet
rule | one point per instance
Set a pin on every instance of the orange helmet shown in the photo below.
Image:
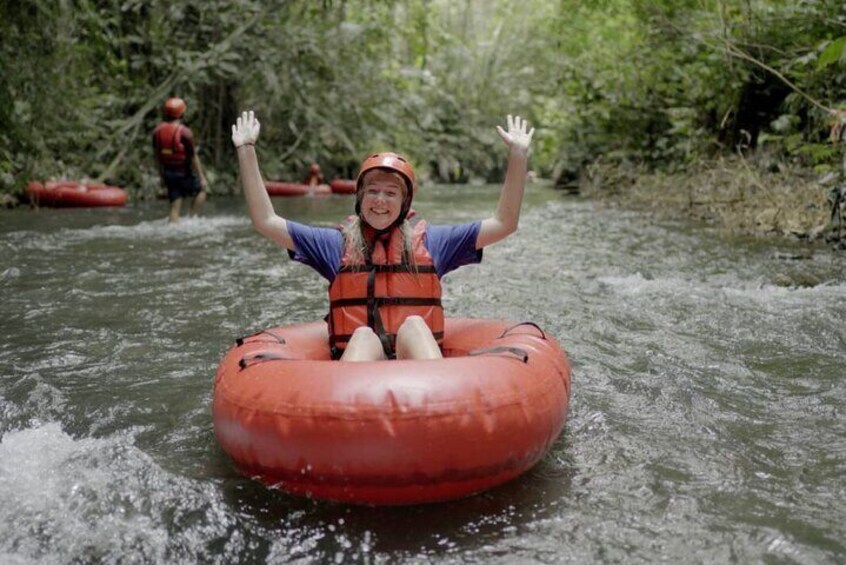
(174, 108)
(391, 162)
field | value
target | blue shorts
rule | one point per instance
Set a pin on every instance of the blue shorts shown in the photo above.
(180, 184)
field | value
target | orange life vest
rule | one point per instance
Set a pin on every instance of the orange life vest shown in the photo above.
(382, 292)
(170, 151)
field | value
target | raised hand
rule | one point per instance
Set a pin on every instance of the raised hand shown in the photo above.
(246, 129)
(516, 138)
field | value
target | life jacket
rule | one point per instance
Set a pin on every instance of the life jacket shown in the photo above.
(170, 151)
(313, 179)
(382, 292)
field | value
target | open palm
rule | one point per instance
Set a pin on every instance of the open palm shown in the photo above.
(246, 129)
(518, 136)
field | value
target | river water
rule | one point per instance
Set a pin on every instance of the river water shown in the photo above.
(707, 421)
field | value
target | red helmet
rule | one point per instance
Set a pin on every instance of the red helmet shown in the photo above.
(391, 162)
(314, 168)
(174, 108)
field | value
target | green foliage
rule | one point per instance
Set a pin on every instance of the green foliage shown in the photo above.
(833, 53)
(668, 82)
(658, 82)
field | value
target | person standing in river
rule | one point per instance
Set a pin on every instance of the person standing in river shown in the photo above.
(384, 268)
(315, 175)
(179, 165)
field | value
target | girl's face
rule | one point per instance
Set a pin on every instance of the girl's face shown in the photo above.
(383, 194)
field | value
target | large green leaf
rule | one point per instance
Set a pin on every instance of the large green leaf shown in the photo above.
(834, 52)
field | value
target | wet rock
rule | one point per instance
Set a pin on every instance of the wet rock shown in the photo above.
(797, 280)
(727, 193)
(8, 201)
(767, 219)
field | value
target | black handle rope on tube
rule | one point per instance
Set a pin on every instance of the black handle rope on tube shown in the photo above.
(537, 327)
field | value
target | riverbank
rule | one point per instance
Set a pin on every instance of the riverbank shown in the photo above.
(730, 194)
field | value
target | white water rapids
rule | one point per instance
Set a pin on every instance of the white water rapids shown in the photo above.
(707, 420)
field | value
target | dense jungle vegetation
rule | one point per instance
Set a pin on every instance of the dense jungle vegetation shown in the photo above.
(663, 83)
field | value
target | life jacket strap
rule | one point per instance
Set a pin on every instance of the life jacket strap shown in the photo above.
(389, 341)
(379, 301)
(345, 338)
(387, 269)
(374, 317)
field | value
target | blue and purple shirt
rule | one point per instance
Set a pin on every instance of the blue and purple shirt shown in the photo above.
(451, 246)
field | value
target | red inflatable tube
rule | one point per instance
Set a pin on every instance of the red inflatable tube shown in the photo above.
(342, 186)
(276, 188)
(391, 432)
(74, 194)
